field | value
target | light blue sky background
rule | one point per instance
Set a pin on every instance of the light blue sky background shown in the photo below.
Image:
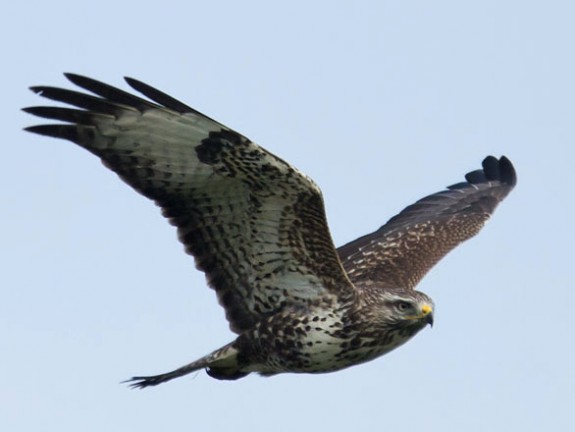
(381, 103)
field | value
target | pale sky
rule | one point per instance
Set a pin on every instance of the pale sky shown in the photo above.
(381, 103)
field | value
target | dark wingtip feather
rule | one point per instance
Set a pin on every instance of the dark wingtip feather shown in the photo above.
(108, 92)
(40, 129)
(158, 96)
(89, 84)
(68, 132)
(37, 89)
(67, 114)
(491, 168)
(495, 170)
(508, 174)
(75, 78)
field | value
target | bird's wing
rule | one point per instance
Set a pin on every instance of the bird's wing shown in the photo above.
(255, 225)
(403, 250)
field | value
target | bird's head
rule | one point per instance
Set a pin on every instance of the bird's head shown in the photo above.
(405, 309)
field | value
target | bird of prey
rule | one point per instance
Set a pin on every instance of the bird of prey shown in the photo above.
(257, 228)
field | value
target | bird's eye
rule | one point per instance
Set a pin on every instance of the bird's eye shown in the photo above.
(403, 306)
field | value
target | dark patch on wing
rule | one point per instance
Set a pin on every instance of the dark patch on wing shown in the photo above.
(209, 151)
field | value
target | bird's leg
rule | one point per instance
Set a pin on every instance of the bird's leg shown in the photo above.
(147, 381)
(221, 364)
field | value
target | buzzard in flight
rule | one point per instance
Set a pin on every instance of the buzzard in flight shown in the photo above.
(257, 228)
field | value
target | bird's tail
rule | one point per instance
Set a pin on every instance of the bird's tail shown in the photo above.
(221, 364)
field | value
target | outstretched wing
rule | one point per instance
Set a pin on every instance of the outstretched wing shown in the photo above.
(255, 225)
(403, 250)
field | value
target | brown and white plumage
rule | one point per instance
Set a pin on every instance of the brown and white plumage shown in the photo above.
(257, 228)
(403, 250)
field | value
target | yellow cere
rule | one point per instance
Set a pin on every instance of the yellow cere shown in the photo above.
(426, 309)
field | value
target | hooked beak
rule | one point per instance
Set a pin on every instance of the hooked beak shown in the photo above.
(427, 313)
(429, 319)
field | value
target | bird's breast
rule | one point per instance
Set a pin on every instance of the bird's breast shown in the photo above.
(319, 341)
